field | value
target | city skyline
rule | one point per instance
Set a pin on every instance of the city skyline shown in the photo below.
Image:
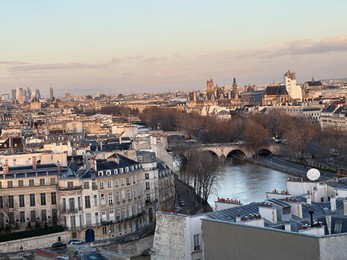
(148, 46)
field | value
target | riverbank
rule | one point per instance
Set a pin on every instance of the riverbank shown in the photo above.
(287, 167)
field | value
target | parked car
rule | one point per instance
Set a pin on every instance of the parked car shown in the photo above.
(75, 242)
(58, 244)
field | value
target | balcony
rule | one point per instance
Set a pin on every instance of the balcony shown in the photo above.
(79, 187)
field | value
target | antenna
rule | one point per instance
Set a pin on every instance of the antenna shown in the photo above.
(313, 174)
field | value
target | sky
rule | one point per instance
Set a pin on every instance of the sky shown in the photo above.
(112, 46)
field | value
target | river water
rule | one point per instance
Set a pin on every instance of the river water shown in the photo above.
(247, 182)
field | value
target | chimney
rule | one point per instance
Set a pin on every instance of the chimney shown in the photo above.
(58, 166)
(34, 163)
(309, 199)
(238, 219)
(333, 203)
(287, 226)
(311, 212)
(5, 167)
(345, 207)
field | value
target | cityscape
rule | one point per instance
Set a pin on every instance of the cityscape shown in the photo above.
(161, 130)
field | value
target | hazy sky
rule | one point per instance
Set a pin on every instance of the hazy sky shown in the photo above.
(128, 46)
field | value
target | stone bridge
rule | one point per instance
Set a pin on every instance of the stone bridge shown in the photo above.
(224, 151)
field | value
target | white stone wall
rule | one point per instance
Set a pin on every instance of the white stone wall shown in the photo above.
(333, 247)
(169, 238)
(33, 242)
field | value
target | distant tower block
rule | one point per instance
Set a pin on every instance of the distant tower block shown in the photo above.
(51, 95)
(67, 93)
(294, 91)
(209, 85)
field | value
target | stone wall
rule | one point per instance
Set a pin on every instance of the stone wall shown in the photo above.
(33, 242)
(169, 237)
(333, 247)
(133, 248)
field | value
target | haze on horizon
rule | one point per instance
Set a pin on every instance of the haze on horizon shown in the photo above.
(116, 46)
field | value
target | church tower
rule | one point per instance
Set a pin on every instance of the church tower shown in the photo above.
(234, 94)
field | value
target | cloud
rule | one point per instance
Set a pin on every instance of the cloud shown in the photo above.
(336, 44)
(62, 66)
(11, 63)
(153, 59)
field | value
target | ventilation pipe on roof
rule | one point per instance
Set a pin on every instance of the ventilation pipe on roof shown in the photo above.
(333, 203)
(311, 214)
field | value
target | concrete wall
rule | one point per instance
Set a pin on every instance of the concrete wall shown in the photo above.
(33, 242)
(133, 248)
(169, 238)
(232, 241)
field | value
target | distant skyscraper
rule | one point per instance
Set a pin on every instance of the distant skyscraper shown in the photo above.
(13, 93)
(67, 93)
(234, 89)
(51, 95)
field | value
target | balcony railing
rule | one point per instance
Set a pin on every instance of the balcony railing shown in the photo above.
(79, 187)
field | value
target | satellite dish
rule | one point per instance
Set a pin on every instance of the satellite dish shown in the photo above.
(313, 174)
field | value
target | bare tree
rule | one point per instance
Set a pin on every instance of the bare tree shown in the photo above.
(202, 172)
(256, 136)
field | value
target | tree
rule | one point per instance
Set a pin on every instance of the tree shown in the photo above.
(202, 171)
(300, 135)
(256, 136)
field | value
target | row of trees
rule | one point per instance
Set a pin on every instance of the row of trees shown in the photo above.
(304, 140)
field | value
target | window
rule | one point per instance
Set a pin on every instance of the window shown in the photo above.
(146, 175)
(54, 216)
(117, 196)
(148, 197)
(88, 218)
(101, 184)
(124, 214)
(129, 194)
(102, 198)
(21, 201)
(95, 200)
(10, 201)
(109, 184)
(338, 227)
(32, 200)
(97, 217)
(104, 230)
(0, 184)
(32, 216)
(52, 181)
(122, 182)
(64, 204)
(42, 182)
(196, 242)
(21, 217)
(72, 204)
(86, 185)
(1, 203)
(70, 184)
(116, 183)
(128, 181)
(44, 215)
(31, 183)
(87, 202)
(11, 218)
(53, 198)
(103, 216)
(147, 185)
(9, 184)
(79, 203)
(111, 215)
(20, 183)
(110, 198)
(73, 221)
(43, 199)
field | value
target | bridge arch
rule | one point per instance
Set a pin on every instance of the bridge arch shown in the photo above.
(264, 152)
(236, 153)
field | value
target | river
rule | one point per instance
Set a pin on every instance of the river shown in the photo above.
(247, 182)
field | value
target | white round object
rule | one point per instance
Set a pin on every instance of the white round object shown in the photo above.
(313, 174)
